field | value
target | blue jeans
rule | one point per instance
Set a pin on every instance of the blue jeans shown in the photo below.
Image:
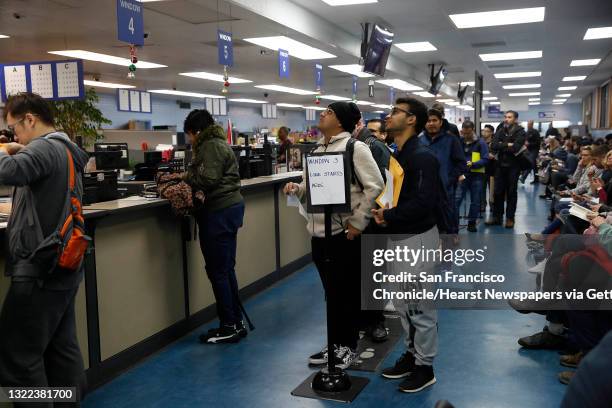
(451, 190)
(473, 184)
(218, 238)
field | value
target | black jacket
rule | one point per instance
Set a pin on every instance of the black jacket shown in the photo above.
(506, 155)
(380, 151)
(534, 140)
(450, 128)
(415, 210)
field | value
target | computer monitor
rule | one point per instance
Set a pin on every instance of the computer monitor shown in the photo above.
(152, 158)
(112, 156)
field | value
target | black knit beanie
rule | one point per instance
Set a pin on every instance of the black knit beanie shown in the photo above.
(348, 114)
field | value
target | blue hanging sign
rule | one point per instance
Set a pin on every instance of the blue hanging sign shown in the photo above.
(225, 48)
(283, 63)
(318, 76)
(130, 22)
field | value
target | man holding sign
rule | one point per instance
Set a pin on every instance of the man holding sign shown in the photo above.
(341, 276)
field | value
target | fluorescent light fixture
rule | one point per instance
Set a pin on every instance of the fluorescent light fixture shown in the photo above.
(4, 36)
(574, 78)
(214, 77)
(490, 98)
(348, 2)
(416, 46)
(286, 89)
(494, 103)
(183, 93)
(381, 106)
(498, 18)
(558, 103)
(534, 99)
(465, 107)
(106, 84)
(364, 103)
(519, 75)
(107, 59)
(486, 92)
(295, 48)
(533, 103)
(243, 100)
(523, 86)
(399, 84)
(567, 88)
(378, 112)
(525, 94)
(424, 94)
(505, 56)
(334, 98)
(445, 100)
(585, 62)
(597, 33)
(467, 83)
(288, 105)
(317, 108)
(353, 69)
(453, 103)
(563, 95)
(559, 100)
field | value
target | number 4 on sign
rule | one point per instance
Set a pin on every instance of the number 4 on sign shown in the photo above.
(131, 25)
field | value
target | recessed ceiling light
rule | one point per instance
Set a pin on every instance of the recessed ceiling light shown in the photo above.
(563, 95)
(379, 105)
(445, 100)
(466, 107)
(574, 78)
(399, 84)
(295, 48)
(559, 100)
(558, 103)
(379, 111)
(334, 98)
(107, 59)
(525, 94)
(486, 92)
(597, 33)
(518, 75)
(106, 84)
(348, 2)
(317, 108)
(364, 103)
(534, 99)
(490, 98)
(289, 105)
(505, 56)
(424, 94)
(453, 103)
(567, 88)
(494, 103)
(416, 46)
(214, 77)
(585, 62)
(353, 69)
(498, 18)
(286, 89)
(523, 86)
(467, 83)
(533, 103)
(4, 36)
(183, 93)
(243, 100)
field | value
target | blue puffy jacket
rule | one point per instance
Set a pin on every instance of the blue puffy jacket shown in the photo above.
(449, 152)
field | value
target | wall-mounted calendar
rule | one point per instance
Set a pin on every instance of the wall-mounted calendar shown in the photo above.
(129, 100)
(311, 115)
(268, 111)
(216, 106)
(53, 80)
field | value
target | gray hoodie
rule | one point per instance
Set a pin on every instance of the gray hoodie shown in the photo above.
(42, 168)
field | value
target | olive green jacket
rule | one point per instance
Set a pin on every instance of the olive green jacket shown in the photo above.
(214, 170)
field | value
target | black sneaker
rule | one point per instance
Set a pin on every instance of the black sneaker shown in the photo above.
(242, 330)
(224, 334)
(543, 340)
(472, 227)
(319, 358)
(421, 378)
(403, 367)
(377, 332)
(345, 357)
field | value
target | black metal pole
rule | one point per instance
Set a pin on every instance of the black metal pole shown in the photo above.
(331, 355)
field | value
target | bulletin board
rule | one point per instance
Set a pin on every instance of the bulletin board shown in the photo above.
(53, 80)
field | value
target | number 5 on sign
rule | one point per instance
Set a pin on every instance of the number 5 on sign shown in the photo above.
(130, 24)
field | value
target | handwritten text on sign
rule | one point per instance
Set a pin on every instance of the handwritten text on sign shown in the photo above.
(326, 179)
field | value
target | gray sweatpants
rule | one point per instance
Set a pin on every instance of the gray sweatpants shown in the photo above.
(420, 323)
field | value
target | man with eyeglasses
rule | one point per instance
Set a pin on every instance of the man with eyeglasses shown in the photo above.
(415, 215)
(38, 342)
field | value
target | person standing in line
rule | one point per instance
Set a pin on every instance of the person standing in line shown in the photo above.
(338, 258)
(414, 215)
(38, 340)
(476, 156)
(533, 146)
(507, 142)
(487, 136)
(446, 125)
(214, 171)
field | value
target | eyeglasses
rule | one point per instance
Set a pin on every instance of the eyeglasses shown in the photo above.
(328, 112)
(12, 127)
(397, 110)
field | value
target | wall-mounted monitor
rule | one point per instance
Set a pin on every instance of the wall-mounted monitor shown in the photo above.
(379, 47)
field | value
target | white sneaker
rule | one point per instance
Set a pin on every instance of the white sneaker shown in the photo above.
(319, 358)
(344, 357)
(538, 268)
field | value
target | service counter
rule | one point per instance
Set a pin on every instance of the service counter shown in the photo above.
(145, 283)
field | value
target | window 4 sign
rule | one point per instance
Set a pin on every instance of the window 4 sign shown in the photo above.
(130, 22)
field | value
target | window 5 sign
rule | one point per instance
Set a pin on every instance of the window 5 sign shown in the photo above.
(327, 182)
(130, 22)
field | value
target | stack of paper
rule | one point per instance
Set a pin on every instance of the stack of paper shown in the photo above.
(580, 212)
